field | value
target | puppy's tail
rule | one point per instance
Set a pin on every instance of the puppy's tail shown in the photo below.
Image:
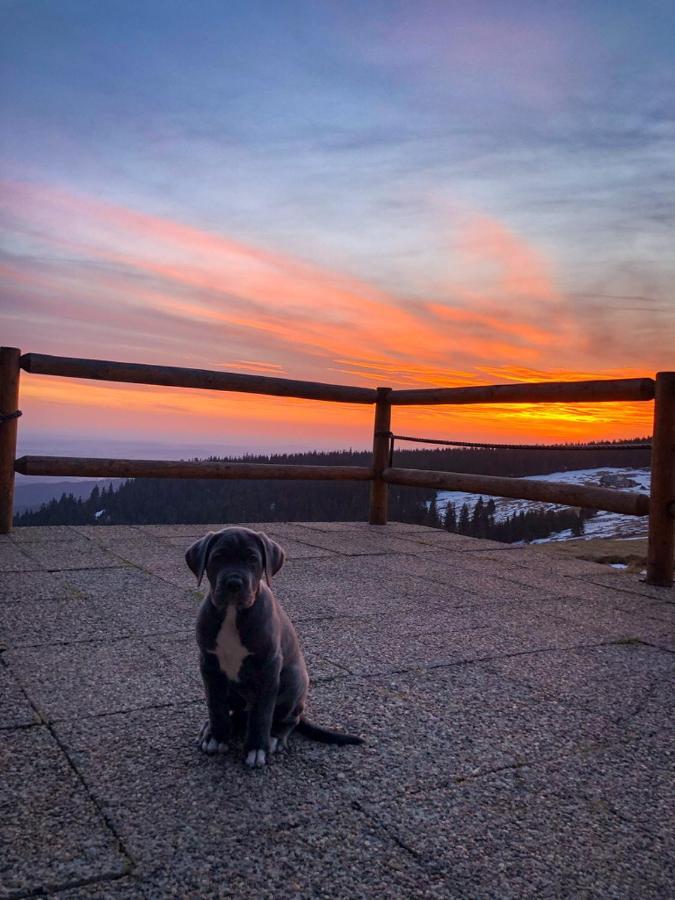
(324, 735)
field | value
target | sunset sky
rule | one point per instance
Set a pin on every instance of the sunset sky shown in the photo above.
(374, 193)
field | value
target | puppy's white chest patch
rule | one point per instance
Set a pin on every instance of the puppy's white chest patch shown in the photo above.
(229, 648)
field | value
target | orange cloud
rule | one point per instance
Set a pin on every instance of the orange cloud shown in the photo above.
(124, 275)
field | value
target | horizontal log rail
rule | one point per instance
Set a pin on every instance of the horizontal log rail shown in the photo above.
(626, 503)
(174, 376)
(607, 391)
(161, 468)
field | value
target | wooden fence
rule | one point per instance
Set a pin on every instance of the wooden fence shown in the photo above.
(659, 506)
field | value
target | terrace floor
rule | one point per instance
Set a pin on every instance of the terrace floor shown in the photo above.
(517, 707)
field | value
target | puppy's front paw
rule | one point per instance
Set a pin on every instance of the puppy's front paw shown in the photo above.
(256, 759)
(207, 743)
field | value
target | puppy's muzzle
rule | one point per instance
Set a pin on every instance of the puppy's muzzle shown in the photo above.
(233, 584)
(233, 588)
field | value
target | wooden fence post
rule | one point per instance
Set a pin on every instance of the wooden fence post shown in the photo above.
(379, 489)
(9, 402)
(662, 496)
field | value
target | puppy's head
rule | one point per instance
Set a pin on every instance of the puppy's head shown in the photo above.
(235, 561)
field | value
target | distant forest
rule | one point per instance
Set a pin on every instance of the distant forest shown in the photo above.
(158, 500)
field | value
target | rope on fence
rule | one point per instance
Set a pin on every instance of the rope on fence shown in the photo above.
(403, 437)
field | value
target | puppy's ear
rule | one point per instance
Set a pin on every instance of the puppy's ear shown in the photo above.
(197, 555)
(273, 555)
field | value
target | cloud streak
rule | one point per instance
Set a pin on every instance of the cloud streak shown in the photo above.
(130, 282)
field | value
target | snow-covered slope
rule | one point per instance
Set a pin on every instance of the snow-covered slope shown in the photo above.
(602, 525)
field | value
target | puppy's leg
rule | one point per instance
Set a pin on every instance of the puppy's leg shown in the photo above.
(257, 746)
(286, 717)
(290, 705)
(215, 733)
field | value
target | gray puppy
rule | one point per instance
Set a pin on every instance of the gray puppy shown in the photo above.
(253, 669)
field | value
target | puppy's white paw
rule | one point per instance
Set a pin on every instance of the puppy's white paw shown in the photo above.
(208, 744)
(256, 759)
(213, 746)
(274, 745)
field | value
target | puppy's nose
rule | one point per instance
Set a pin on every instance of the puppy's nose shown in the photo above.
(233, 583)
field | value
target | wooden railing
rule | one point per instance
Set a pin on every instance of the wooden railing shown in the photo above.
(659, 506)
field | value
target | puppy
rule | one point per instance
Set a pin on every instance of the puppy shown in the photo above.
(253, 669)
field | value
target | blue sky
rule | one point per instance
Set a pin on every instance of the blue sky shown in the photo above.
(435, 153)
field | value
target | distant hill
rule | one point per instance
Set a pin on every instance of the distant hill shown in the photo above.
(29, 497)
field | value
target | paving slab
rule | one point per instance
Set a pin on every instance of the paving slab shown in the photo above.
(131, 584)
(53, 834)
(13, 558)
(517, 834)
(436, 538)
(46, 533)
(428, 729)
(45, 623)
(101, 534)
(143, 551)
(16, 587)
(15, 708)
(631, 683)
(357, 544)
(99, 677)
(358, 527)
(62, 555)
(456, 571)
(628, 583)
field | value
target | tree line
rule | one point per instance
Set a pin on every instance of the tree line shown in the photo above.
(524, 525)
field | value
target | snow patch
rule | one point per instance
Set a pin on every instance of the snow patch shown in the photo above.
(602, 525)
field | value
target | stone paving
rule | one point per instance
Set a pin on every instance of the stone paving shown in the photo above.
(517, 707)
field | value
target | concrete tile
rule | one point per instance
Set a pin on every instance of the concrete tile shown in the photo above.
(428, 729)
(439, 537)
(103, 534)
(16, 587)
(356, 527)
(620, 679)
(133, 585)
(633, 778)
(14, 559)
(100, 677)
(543, 558)
(143, 552)
(52, 833)
(462, 572)
(85, 619)
(621, 624)
(62, 555)
(629, 583)
(361, 543)
(368, 649)
(663, 610)
(174, 572)
(15, 709)
(32, 533)
(511, 835)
